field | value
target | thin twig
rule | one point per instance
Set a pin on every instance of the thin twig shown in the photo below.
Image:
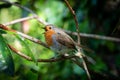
(95, 36)
(19, 20)
(20, 53)
(24, 35)
(32, 39)
(39, 60)
(75, 19)
(86, 69)
(81, 55)
(27, 9)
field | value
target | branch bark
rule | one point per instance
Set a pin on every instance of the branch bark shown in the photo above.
(94, 36)
(24, 35)
(75, 19)
(39, 60)
(27, 9)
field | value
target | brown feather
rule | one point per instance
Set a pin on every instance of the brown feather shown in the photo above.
(65, 40)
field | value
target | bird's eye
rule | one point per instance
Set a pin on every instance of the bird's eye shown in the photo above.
(49, 27)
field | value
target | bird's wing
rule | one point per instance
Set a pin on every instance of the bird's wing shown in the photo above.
(65, 40)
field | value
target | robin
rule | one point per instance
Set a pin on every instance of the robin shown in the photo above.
(58, 40)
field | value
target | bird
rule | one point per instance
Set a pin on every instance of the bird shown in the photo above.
(59, 41)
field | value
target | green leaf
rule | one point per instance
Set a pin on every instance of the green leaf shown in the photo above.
(27, 48)
(6, 53)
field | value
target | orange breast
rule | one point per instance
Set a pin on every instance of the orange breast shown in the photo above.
(48, 37)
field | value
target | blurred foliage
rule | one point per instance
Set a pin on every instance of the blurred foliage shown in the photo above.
(94, 16)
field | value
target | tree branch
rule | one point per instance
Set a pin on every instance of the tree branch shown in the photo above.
(39, 60)
(75, 19)
(24, 35)
(94, 36)
(19, 20)
(27, 9)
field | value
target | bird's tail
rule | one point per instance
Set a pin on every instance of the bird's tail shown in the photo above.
(84, 47)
